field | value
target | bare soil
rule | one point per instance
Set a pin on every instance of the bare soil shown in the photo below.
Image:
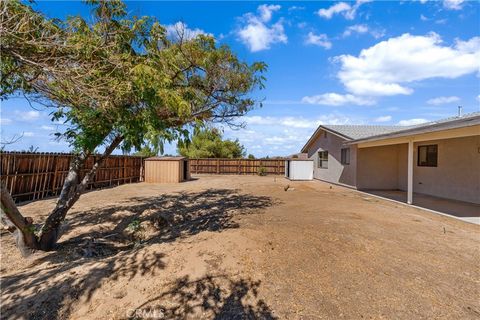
(241, 247)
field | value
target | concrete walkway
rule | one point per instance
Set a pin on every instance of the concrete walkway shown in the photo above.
(466, 211)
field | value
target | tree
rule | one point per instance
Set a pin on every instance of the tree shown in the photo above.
(251, 156)
(208, 143)
(115, 83)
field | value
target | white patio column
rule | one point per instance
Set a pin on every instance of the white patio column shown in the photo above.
(410, 173)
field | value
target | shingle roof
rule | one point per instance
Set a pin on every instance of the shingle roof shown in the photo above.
(361, 131)
(470, 119)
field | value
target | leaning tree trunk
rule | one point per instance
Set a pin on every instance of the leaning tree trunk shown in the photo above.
(22, 228)
(70, 193)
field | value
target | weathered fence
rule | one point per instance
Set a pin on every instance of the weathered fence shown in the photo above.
(31, 176)
(237, 166)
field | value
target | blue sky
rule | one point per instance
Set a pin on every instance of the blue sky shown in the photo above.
(328, 63)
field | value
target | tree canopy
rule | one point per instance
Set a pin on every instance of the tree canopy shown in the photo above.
(115, 82)
(209, 143)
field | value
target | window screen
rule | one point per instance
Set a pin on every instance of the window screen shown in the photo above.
(323, 159)
(427, 156)
(345, 156)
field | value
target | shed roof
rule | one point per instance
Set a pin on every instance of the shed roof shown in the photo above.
(165, 158)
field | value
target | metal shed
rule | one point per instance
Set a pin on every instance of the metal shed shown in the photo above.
(166, 169)
(298, 169)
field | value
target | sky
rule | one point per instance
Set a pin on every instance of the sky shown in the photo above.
(362, 62)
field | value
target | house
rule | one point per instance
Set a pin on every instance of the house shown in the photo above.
(440, 158)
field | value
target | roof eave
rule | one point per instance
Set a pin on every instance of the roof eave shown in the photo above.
(459, 123)
(314, 135)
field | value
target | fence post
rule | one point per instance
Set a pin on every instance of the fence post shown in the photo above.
(218, 166)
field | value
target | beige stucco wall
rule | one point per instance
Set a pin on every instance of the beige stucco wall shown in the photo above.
(457, 175)
(336, 172)
(378, 167)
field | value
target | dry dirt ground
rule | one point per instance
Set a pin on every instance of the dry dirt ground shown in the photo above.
(237, 247)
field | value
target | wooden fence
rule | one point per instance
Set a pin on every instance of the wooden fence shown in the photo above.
(237, 166)
(31, 176)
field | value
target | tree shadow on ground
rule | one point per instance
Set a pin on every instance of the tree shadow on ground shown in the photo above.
(166, 217)
(106, 248)
(212, 297)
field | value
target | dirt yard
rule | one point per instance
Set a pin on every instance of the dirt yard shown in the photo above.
(237, 247)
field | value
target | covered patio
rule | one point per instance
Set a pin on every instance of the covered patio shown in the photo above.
(437, 168)
(465, 211)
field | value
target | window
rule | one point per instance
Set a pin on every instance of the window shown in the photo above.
(323, 159)
(427, 156)
(345, 156)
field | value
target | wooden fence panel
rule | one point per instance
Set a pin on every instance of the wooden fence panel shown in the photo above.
(32, 176)
(236, 166)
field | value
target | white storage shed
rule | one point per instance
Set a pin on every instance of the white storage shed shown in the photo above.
(299, 169)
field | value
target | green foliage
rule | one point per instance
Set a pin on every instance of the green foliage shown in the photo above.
(134, 226)
(117, 76)
(208, 143)
(262, 171)
(251, 156)
(146, 151)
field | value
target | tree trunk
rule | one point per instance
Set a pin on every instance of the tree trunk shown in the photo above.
(22, 228)
(71, 192)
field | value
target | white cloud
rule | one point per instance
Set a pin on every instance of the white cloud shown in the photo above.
(295, 122)
(47, 127)
(28, 134)
(423, 18)
(5, 121)
(293, 8)
(453, 4)
(257, 34)
(383, 119)
(336, 99)
(181, 29)
(443, 100)
(357, 28)
(412, 122)
(266, 11)
(347, 10)
(478, 98)
(383, 69)
(277, 135)
(362, 29)
(318, 40)
(27, 115)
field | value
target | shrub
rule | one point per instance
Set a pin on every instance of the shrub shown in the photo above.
(262, 171)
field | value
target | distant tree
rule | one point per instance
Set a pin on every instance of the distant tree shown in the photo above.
(208, 143)
(146, 151)
(251, 156)
(115, 82)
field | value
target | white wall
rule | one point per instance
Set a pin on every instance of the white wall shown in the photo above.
(300, 170)
(336, 172)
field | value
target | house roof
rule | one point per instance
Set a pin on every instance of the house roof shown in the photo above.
(361, 133)
(470, 119)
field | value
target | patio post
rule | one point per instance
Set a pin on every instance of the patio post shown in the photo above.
(410, 173)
